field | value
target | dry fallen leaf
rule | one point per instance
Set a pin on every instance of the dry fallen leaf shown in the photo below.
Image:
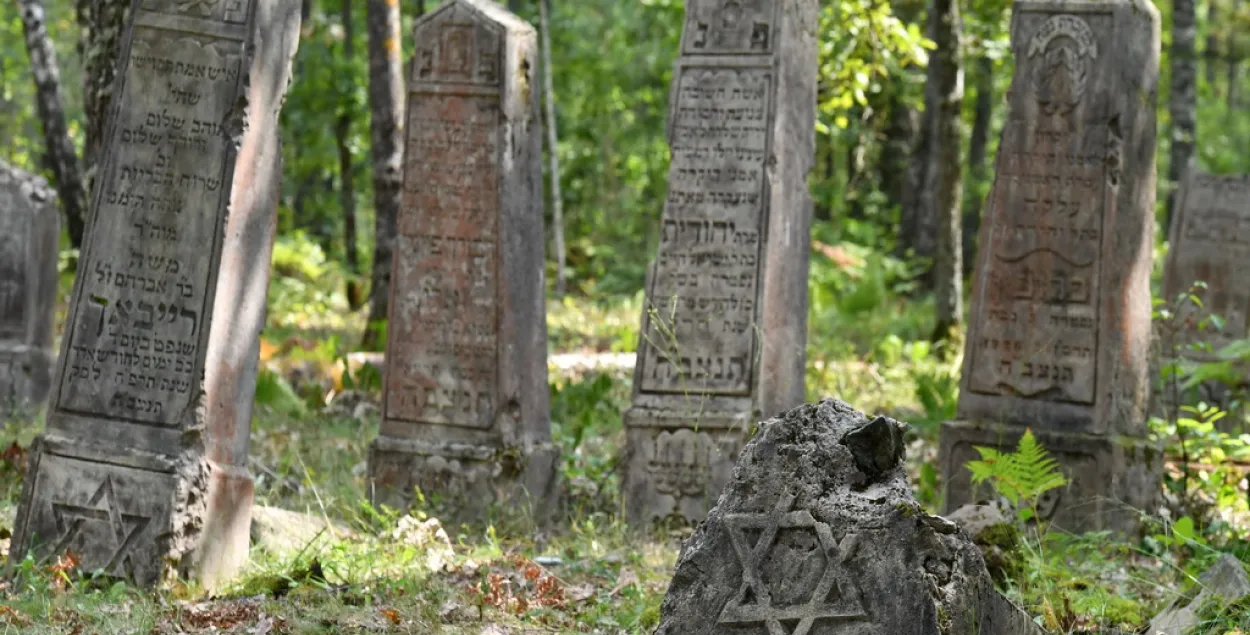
(580, 593)
(392, 616)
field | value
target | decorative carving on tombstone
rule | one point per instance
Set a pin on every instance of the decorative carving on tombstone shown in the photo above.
(30, 228)
(1060, 325)
(142, 470)
(724, 326)
(465, 413)
(817, 533)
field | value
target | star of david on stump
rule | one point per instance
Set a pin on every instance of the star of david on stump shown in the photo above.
(101, 508)
(833, 598)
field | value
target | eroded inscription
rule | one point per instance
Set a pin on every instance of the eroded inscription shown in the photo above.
(729, 27)
(1212, 246)
(232, 11)
(443, 328)
(1056, 177)
(704, 292)
(141, 307)
(13, 278)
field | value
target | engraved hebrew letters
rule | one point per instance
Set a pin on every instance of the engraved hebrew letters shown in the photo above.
(729, 26)
(135, 341)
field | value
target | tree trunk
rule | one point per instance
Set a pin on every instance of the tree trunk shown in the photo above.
(101, 23)
(386, 125)
(1183, 102)
(944, 99)
(919, 225)
(901, 131)
(1212, 53)
(1230, 57)
(553, 137)
(347, 176)
(61, 156)
(978, 145)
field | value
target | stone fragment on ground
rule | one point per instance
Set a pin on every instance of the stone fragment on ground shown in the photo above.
(281, 531)
(1226, 579)
(991, 530)
(818, 533)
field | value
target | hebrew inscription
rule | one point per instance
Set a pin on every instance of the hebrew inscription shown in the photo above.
(1056, 179)
(443, 328)
(13, 280)
(792, 572)
(232, 11)
(162, 195)
(704, 293)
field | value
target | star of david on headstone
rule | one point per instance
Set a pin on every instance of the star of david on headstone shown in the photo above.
(834, 598)
(102, 507)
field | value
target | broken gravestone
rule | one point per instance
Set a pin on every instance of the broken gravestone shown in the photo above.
(1059, 332)
(142, 470)
(30, 228)
(1225, 580)
(465, 414)
(725, 322)
(817, 533)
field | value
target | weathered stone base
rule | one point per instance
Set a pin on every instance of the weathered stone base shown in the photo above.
(25, 379)
(1111, 479)
(116, 517)
(677, 472)
(467, 481)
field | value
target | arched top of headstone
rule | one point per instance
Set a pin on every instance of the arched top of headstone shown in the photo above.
(460, 42)
(33, 187)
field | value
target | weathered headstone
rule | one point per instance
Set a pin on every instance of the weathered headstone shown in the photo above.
(818, 534)
(1060, 327)
(1209, 242)
(465, 413)
(29, 230)
(1224, 583)
(143, 467)
(724, 327)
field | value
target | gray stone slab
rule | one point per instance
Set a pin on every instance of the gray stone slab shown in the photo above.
(723, 336)
(30, 228)
(1059, 330)
(1226, 580)
(818, 533)
(142, 470)
(465, 411)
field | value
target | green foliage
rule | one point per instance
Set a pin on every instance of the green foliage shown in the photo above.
(1021, 476)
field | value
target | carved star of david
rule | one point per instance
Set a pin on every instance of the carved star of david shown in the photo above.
(102, 507)
(752, 603)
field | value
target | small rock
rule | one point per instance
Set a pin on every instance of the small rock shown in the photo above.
(1226, 579)
(281, 531)
(549, 561)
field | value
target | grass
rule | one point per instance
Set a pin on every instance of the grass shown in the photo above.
(373, 570)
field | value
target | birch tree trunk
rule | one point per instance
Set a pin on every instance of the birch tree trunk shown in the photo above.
(386, 125)
(61, 156)
(1183, 102)
(553, 137)
(945, 96)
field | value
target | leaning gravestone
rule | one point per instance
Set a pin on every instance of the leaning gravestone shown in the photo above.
(465, 412)
(1209, 242)
(818, 534)
(724, 327)
(1060, 327)
(143, 466)
(29, 230)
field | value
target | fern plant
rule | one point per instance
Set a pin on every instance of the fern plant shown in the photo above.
(1021, 476)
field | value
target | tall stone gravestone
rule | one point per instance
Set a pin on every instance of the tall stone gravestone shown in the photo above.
(724, 327)
(29, 230)
(142, 470)
(1060, 327)
(465, 413)
(1210, 242)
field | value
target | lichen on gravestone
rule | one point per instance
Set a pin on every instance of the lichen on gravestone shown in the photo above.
(818, 533)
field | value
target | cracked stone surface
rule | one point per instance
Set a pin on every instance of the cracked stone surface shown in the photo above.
(818, 533)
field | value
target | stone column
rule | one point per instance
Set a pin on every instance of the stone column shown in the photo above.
(724, 327)
(30, 228)
(1060, 325)
(465, 413)
(143, 467)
